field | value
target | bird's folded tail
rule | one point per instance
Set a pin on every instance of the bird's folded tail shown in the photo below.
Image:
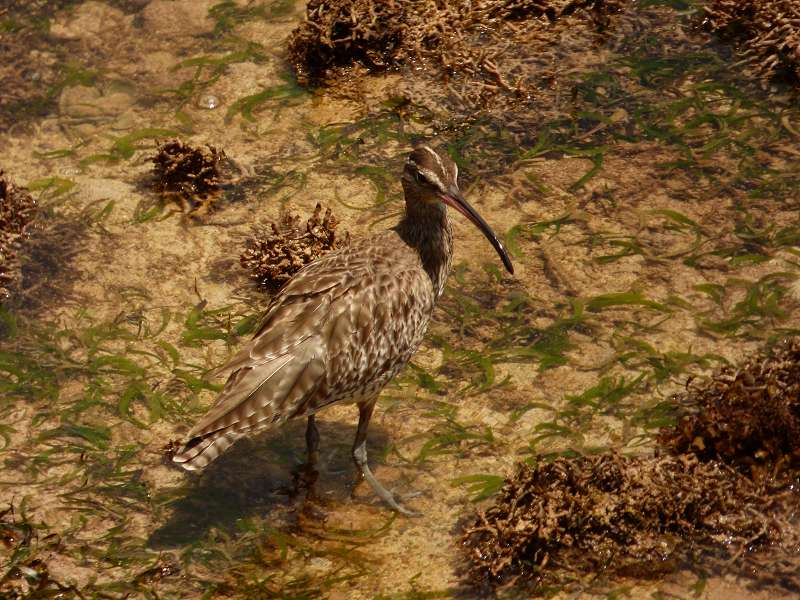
(256, 397)
(201, 450)
(204, 447)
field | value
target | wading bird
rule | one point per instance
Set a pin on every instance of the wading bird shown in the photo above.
(344, 325)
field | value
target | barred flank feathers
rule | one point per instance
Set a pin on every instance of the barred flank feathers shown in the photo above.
(267, 391)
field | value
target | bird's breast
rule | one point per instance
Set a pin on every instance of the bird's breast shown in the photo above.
(374, 336)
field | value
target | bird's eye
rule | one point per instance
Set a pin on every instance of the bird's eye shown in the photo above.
(421, 178)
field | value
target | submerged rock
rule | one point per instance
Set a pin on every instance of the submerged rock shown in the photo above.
(273, 255)
(208, 101)
(178, 18)
(94, 23)
(27, 72)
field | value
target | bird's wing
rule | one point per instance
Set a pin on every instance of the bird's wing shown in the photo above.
(324, 315)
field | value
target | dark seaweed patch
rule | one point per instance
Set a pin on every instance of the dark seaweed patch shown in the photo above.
(724, 499)
(747, 416)
(768, 31)
(25, 572)
(449, 38)
(17, 212)
(622, 516)
(190, 176)
(338, 34)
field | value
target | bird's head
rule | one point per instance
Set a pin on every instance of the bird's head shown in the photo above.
(431, 178)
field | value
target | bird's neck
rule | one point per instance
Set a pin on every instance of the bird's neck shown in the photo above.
(427, 229)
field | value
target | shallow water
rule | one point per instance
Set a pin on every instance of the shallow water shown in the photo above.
(652, 213)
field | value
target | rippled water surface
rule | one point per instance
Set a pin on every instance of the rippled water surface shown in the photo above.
(651, 211)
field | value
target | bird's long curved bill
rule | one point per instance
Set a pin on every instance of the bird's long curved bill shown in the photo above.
(457, 201)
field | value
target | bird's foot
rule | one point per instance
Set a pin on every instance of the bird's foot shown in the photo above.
(304, 479)
(410, 495)
(389, 498)
(365, 474)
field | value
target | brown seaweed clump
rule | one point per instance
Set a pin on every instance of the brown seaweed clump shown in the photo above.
(189, 176)
(622, 516)
(725, 493)
(747, 416)
(769, 31)
(339, 34)
(273, 255)
(449, 39)
(26, 573)
(17, 211)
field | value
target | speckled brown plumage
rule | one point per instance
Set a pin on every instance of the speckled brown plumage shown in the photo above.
(344, 325)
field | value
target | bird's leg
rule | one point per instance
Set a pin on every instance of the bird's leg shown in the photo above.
(306, 475)
(360, 457)
(312, 441)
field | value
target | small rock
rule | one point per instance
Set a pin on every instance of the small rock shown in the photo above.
(92, 22)
(79, 101)
(178, 17)
(209, 101)
(320, 564)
